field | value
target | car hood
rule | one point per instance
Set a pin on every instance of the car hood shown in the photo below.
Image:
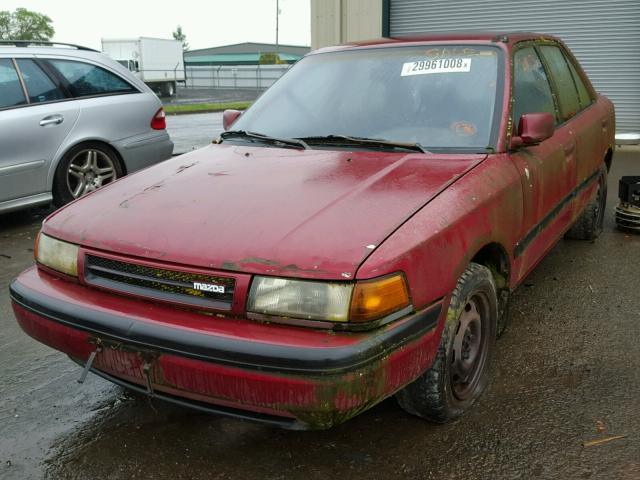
(311, 213)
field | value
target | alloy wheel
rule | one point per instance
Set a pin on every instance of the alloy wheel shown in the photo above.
(89, 170)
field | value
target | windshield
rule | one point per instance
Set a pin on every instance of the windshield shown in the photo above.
(435, 96)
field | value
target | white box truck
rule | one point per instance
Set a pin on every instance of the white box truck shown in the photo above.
(158, 62)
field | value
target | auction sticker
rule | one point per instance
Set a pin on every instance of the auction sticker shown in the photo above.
(438, 65)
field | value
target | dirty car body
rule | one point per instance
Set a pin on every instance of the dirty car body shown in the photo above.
(301, 275)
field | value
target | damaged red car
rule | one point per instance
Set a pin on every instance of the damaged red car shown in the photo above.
(353, 235)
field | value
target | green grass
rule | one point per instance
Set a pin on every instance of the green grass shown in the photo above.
(205, 107)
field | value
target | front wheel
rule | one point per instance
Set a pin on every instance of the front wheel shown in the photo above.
(84, 169)
(460, 371)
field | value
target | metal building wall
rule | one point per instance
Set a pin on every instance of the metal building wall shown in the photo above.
(340, 21)
(603, 34)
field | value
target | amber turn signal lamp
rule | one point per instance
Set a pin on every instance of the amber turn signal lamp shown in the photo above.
(374, 299)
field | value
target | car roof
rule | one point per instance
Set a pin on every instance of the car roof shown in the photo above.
(28, 47)
(475, 37)
(40, 50)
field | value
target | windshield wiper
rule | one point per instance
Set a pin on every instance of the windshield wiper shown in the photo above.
(341, 139)
(281, 142)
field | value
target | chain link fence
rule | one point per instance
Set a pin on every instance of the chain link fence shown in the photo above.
(254, 77)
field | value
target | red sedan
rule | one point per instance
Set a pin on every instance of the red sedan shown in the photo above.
(355, 234)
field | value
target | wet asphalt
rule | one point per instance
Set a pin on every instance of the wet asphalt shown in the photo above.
(190, 132)
(193, 131)
(567, 373)
(211, 95)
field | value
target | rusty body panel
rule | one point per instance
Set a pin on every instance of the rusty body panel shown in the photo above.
(236, 211)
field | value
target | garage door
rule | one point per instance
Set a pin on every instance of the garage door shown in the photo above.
(603, 34)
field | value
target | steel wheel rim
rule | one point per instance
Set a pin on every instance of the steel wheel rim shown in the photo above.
(470, 347)
(89, 170)
(598, 210)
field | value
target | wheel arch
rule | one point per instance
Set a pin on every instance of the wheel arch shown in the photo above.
(495, 257)
(608, 158)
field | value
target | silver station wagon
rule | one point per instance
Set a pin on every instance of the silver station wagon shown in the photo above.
(71, 121)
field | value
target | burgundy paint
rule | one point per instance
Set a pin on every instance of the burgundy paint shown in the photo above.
(535, 127)
(323, 214)
(261, 210)
(285, 395)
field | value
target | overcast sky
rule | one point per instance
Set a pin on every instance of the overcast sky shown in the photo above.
(206, 23)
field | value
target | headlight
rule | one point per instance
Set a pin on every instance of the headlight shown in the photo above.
(57, 255)
(329, 301)
(300, 298)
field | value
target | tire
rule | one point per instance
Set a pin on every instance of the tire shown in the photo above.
(588, 225)
(440, 395)
(168, 89)
(504, 311)
(83, 169)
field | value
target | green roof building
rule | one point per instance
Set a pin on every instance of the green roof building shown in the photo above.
(247, 53)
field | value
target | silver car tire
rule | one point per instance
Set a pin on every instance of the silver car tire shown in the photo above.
(83, 169)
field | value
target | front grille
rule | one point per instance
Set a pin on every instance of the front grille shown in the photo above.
(160, 283)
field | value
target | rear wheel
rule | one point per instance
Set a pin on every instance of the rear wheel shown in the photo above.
(588, 225)
(168, 89)
(83, 169)
(460, 371)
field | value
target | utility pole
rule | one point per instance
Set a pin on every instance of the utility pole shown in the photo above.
(277, 19)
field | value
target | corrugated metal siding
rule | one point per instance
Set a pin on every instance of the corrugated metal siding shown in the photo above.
(603, 34)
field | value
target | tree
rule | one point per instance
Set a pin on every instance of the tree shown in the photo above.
(270, 58)
(180, 36)
(23, 24)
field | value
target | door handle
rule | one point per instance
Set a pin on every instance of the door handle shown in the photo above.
(51, 120)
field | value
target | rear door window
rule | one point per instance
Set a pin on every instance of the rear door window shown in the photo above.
(39, 86)
(531, 89)
(11, 93)
(565, 86)
(583, 93)
(88, 80)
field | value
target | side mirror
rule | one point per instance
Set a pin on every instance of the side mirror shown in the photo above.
(533, 128)
(228, 117)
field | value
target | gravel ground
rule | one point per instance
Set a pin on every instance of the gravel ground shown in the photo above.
(567, 372)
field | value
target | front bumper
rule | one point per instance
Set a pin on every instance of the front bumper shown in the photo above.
(290, 376)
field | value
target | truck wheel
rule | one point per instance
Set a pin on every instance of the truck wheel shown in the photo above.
(588, 225)
(84, 168)
(460, 371)
(168, 89)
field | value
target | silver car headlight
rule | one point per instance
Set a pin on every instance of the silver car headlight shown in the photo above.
(306, 299)
(57, 255)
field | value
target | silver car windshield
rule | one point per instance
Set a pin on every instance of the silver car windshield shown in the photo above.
(436, 96)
